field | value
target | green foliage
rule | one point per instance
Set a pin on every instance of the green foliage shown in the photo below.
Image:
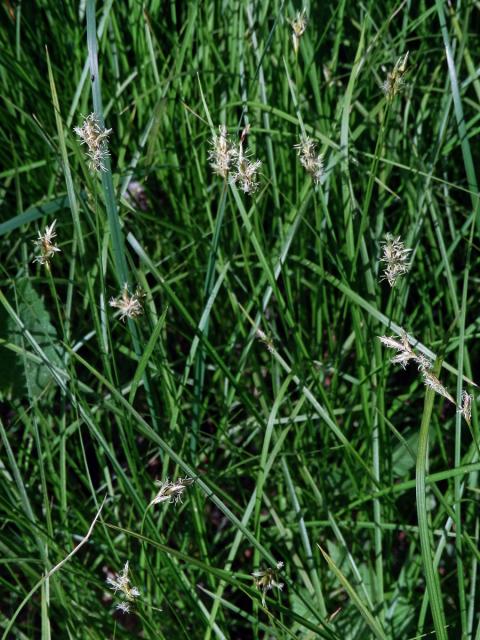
(255, 366)
(404, 455)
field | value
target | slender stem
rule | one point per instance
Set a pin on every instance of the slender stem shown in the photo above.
(431, 574)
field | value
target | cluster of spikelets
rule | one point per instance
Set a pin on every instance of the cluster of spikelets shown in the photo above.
(310, 160)
(396, 78)
(229, 160)
(299, 26)
(121, 585)
(95, 136)
(172, 492)
(406, 354)
(267, 579)
(396, 259)
(129, 305)
(46, 245)
(395, 256)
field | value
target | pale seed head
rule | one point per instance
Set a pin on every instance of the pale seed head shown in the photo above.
(130, 306)
(121, 583)
(267, 579)
(95, 137)
(46, 244)
(466, 408)
(434, 383)
(395, 256)
(228, 159)
(222, 153)
(309, 159)
(395, 78)
(405, 352)
(262, 336)
(171, 492)
(246, 175)
(299, 26)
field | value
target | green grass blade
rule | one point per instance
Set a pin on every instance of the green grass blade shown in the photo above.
(431, 574)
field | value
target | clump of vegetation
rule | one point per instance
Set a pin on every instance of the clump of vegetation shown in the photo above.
(194, 280)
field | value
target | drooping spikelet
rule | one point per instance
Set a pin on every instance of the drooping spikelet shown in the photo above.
(434, 383)
(171, 492)
(406, 353)
(466, 408)
(267, 579)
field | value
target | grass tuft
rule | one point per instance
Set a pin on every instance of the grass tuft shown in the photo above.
(210, 211)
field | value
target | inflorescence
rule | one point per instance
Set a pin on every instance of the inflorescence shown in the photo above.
(396, 78)
(46, 244)
(130, 306)
(230, 160)
(299, 26)
(310, 160)
(267, 579)
(94, 135)
(171, 492)
(121, 583)
(395, 257)
(406, 353)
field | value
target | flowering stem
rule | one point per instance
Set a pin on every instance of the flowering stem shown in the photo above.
(458, 488)
(53, 291)
(431, 574)
(118, 244)
(371, 181)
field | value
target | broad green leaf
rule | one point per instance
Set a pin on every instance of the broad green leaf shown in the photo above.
(18, 375)
(404, 455)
